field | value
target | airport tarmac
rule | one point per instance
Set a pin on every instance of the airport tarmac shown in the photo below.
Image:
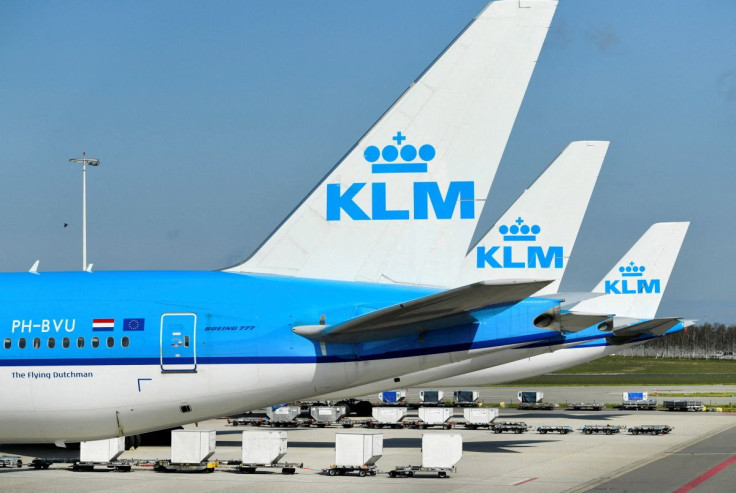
(699, 443)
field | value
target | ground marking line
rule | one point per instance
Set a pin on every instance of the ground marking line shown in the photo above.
(706, 475)
(522, 481)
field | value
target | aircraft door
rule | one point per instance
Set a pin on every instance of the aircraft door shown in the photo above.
(178, 342)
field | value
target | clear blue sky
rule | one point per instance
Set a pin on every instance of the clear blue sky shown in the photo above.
(213, 119)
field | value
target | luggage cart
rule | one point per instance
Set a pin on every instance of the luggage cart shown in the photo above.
(248, 421)
(651, 429)
(408, 471)
(440, 454)
(11, 461)
(683, 405)
(387, 417)
(510, 427)
(604, 429)
(168, 466)
(430, 417)
(323, 416)
(116, 465)
(585, 406)
(479, 417)
(562, 430)
(341, 470)
(286, 467)
(641, 405)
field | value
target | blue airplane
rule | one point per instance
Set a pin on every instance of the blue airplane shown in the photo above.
(343, 293)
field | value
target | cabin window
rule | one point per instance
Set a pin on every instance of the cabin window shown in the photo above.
(22, 343)
(186, 341)
(125, 342)
(110, 341)
(65, 343)
(51, 343)
(8, 343)
(36, 343)
(95, 342)
(80, 342)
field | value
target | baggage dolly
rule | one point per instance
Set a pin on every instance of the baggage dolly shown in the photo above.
(651, 429)
(408, 471)
(286, 467)
(509, 426)
(585, 406)
(605, 429)
(123, 466)
(168, 466)
(11, 461)
(341, 470)
(562, 430)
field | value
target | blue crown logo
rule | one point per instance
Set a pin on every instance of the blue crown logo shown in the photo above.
(632, 270)
(391, 153)
(519, 231)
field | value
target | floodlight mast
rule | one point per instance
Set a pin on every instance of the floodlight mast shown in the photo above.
(92, 162)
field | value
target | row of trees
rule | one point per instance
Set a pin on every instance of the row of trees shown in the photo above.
(699, 341)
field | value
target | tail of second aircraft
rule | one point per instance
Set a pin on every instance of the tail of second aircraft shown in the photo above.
(406, 198)
(635, 285)
(533, 239)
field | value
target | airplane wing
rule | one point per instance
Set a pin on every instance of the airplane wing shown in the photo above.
(433, 312)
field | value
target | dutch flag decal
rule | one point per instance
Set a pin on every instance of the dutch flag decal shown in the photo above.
(103, 324)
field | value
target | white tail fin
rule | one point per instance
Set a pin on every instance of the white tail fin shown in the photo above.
(636, 284)
(533, 239)
(407, 197)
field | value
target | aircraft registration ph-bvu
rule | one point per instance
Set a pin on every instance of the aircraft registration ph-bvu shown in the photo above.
(340, 295)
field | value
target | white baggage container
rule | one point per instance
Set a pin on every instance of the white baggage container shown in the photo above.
(263, 447)
(435, 415)
(480, 415)
(192, 446)
(327, 414)
(389, 414)
(358, 449)
(283, 414)
(441, 450)
(101, 450)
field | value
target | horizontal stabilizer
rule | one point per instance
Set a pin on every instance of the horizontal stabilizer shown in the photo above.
(433, 312)
(655, 327)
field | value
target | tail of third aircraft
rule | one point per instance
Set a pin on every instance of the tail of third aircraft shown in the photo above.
(636, 284)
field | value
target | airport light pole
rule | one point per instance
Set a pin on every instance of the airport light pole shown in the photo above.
(92, 162)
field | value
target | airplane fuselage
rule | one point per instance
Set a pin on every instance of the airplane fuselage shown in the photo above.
(95, 355)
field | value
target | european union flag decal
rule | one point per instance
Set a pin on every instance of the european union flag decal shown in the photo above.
(134, 324)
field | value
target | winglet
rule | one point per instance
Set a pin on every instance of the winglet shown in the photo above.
(34, 267)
